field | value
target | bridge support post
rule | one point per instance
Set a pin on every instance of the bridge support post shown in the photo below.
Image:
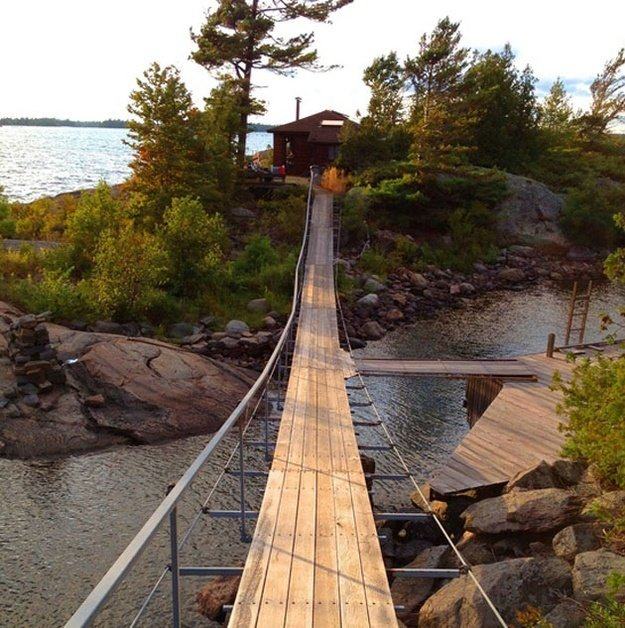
(551, 343)
(174, 568)
(244, 536)
(266, 425)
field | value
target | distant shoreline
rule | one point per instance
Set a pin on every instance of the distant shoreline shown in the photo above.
(94, 124)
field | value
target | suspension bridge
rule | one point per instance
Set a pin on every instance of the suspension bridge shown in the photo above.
(314, 558)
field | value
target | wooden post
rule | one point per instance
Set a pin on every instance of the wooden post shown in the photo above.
(569, 322)
(582, 327)
(551, 343)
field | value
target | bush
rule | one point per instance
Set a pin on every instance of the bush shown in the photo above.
(375, 262)
(354, 216)
(594, 405)
(194, 242)
(130, 266)
(588, 216)
(257, 254)
(284, 218)
(609, 613)
(7, 224)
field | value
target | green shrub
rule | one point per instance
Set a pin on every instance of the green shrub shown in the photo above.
(375, 262)
(594, 405)
(7, 224)
(55, 292)
(588, 216)
(609, 613)
(284, 218)
(130, 267)
(258, 253)
(354, 215)
(194, 242)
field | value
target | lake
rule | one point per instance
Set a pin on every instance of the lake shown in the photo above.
(44, 161)
(64, 521)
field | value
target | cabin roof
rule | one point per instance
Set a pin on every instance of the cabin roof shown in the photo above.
(322, 128)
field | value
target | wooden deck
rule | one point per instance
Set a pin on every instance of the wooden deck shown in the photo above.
(315, 558)
(452, 369)
(518, 430)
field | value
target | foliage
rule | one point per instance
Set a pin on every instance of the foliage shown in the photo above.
(239, 37)
(354, 215)
(608, 98)
(165, 137)
(609, 613)
(588, 216)
(375, 261)
(335, 180)
(130, 267)
(284, 218)
(594, 404)
(7, 224)
(194, 243)
(556, 111)
(384, 77)
(97, 211)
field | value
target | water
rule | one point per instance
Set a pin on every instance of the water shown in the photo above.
(44, 161)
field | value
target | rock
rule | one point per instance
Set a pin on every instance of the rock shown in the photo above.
(541, 475)
(357, 343)
(511, 275)
(372, 330)
(31, 400)
(236, 328)
(181, 330)
(580, 254)
(242, 213)
(566, 614)
(522, 251)
(523, 510)
(569, 472)
(394, 315)
(207, 321)
(95, 401)
(107, 327)
(530, 213)
(192, 340)
(417, 280)
(467, 288)
(474, 550)
(4, 402)
(373, 285)
(261, 306)
(480, 268)
(455, 289)
(605, 506)
(369, 300)
(269, 322)
(591, 571)
(412, 592)
(511, 585)
(575, 539)
(212, 597)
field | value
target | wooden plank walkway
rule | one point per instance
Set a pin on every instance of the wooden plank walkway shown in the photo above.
(453, 369)
(518, 430)
(315, 558)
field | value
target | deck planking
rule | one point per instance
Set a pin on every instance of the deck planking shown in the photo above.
(315, 558)
(518, 429)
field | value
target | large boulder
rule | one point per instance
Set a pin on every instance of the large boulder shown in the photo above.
(512, 585)
(412, 592)
(373, 285)
(559, 474)
(530, 213)
(260, 306)
(539, 510)
(369, 300)
(236, 328)
(591, 571)
(372, 330)
(511, 275)
(567, 614)
(572, 540)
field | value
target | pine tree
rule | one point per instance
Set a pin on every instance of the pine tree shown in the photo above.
(238, 38)
(164, 137)
(385, 79)
(435, 76)
(556, 112)
(608, 98)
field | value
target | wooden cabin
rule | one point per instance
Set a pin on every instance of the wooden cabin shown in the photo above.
(310, 141)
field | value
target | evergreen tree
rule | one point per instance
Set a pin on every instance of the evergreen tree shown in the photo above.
(164, 136)
(238, 37)
(385, 79)
(608, 98)
(556, 112)
(435, 76)
(506, 113)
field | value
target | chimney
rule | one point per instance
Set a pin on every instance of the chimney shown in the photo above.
(298, 100)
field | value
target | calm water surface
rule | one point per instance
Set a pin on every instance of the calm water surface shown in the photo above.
(63, 522)
(44, 161)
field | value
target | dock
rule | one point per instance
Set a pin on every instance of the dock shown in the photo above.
(517, 430)
(315, 558)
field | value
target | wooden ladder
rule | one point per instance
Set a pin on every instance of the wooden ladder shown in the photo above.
(578, 311)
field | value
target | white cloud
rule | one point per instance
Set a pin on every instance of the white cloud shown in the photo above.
(71, 58)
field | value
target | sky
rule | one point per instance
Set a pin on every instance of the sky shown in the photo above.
(79, 59)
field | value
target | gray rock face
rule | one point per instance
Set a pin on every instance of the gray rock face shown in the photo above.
(236, 328)
(373, 285)
(511, 275)
(412, 592)
(591, 571)
(369, 300)
(242, 213)
(560, 474)
(530, 213)
(536, 510)
(258, 305)
(510, 584)
(372, 330)
(566, 614)
(107, 327)
(572, 540)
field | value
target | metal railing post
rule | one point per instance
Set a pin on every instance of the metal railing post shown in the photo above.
(174, 568)
(242, 477)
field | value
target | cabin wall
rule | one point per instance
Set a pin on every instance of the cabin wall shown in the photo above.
(303, 153)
